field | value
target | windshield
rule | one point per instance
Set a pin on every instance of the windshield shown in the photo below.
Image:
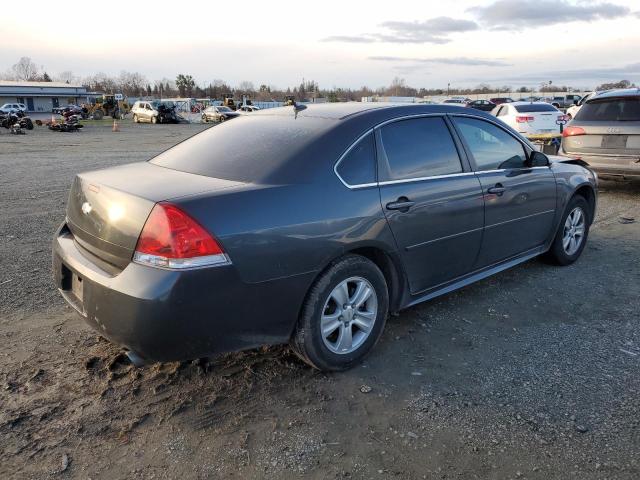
(611, 109)
(536, 107)
(224, 109)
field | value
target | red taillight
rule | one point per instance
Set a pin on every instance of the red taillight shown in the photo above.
(524, 118)
(171, 238)
(573, 131)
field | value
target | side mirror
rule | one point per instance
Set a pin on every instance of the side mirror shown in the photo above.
(538, 159)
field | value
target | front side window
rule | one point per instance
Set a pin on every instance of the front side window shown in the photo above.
(418, 147)
(492, 148)
(358, 166)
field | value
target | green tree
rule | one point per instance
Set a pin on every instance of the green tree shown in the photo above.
(185, 84)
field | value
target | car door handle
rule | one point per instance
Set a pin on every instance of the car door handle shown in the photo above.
(498, 189)
(402, 204)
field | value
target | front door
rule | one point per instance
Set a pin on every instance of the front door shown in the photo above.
(431, 200)
(30, 104)
(520, 199)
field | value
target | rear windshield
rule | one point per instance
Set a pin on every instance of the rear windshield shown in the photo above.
(257, 148)
(611, 109)
(535, 107)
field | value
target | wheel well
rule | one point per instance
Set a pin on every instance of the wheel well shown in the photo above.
(587, 193)
(389, 269)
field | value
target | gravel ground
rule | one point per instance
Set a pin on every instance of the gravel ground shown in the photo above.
(533, 373)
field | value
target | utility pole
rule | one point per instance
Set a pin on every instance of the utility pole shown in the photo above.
(448, 85)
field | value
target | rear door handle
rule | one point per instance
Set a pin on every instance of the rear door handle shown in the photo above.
(498, 189)
(402, 204)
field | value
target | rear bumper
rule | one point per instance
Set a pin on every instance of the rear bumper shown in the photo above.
(624, 165)
(166, 315)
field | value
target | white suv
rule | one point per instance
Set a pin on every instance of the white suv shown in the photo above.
(12, 107)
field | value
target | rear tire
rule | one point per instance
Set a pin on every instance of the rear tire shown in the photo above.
(572, 233)
(154, 119)
(332, 335)
(98, 114)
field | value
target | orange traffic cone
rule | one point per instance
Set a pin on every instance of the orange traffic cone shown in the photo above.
(116, 127)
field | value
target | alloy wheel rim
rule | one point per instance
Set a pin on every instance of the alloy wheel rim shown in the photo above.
(573, 233)
(348, 315)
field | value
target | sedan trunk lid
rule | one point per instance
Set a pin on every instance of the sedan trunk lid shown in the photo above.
(108, 208)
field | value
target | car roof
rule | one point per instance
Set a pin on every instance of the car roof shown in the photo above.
(342, 111)
(618, 93)
(515, 104)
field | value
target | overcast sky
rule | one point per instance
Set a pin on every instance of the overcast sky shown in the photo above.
(337, 43)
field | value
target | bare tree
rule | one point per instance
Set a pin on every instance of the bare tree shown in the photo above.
(246, 86)
(25, 70)
(132, 83)
(67, 77)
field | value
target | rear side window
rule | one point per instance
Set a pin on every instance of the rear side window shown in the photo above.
(419, 147)
(358, 166)
(536, 107)
(492, 148)
(611, 109)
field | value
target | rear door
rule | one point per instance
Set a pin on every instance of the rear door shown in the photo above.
(519, 200)
(432, 201)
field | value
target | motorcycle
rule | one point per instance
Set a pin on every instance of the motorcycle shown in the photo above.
(71, 124)
(16, 120)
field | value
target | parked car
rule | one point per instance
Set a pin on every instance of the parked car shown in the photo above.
(218, 114)
(605, 133)
(530, 118)
(307, 226)
(457, 100)
(71, 110)
(13, 107)
(572, 110)
(145, 112)
(247, 108)
(530, 99)
(501, 100)
(564, 101)
(484, 105)
(155, 112)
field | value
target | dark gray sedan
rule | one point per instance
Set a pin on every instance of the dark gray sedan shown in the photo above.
(308, 226)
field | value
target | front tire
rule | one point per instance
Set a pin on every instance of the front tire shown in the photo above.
(572, 234)
(135, 118)
(154, 119)
(343, 315)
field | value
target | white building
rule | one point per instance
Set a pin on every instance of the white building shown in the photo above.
(43, 96)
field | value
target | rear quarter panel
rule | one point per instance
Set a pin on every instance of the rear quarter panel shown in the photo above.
(278, 231)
